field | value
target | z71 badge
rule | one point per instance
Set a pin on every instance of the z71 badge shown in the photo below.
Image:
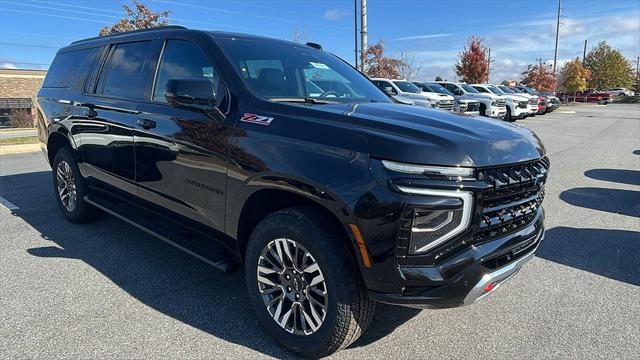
(256, 119)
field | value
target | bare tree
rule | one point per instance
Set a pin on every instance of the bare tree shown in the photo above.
(137, 17)
(407, 68)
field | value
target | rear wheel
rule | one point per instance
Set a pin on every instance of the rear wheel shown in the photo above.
(70, 188)
(303, 283)
(507, 116)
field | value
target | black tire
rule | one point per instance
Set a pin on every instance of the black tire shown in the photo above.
(507, 116)
(349, 308)
(81, 211)
(483, 110)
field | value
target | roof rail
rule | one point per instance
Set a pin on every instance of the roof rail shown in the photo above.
(168, 27)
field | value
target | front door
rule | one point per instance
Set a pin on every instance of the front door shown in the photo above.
(180, 153)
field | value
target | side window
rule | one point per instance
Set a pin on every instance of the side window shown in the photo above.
(481, 89)
(386, 84)
(66, 66)
(181, 59)
(124, 74)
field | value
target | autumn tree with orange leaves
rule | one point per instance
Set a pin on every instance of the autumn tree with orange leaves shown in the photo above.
(139, 18)
(378, 65)
(539, 77)
(473, 66)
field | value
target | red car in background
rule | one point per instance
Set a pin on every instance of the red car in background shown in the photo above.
(588, 96)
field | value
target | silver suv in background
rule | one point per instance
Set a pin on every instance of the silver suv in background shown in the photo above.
(443, 100)
(404, 91)
(461, 104)
(491, 105)
(517, 105)
(533, 100)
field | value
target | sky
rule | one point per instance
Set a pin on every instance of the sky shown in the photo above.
(432, 32)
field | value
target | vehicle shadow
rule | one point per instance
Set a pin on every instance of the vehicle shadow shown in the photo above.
(611, 253)
(617, 201)
(623, 176)
(155, 273)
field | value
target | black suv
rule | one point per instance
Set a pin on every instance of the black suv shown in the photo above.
(231, 148)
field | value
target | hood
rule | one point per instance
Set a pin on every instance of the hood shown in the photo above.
(437, 96)
(515, 97)
(488, 96)
(418, 135)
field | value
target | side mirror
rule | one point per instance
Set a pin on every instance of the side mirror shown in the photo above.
(388, 90)
(457, 92)
(194, 93)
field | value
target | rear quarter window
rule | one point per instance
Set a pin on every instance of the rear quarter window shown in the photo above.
(67, 65)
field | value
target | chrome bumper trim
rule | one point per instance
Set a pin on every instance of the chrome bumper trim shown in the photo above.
(499, 276)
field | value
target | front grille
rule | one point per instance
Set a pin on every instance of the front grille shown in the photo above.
(473, 106)
(523, 104)
(445, 104)
(501, 102)
(533, 101)
(515, 193)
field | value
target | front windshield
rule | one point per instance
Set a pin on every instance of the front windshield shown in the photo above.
(495, 90)
(506, 89)
(276, 70)
(469, 88)
(439, 89)
(528, 90)
(406, 86)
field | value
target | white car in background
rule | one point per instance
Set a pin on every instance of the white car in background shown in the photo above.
(443, 101)
(462, 104)
(533, 99)
(619, 92)
(517, 105)
(404, 91)
(491, 105)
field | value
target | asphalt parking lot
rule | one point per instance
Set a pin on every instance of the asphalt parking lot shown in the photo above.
(108, 290)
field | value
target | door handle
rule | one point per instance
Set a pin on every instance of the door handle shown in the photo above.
(146, 123)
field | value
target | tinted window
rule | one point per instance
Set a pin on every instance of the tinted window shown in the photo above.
(481, 89)
(277, 70)
(123, 75)
(183, 59)
(407, 87)
(65, 67)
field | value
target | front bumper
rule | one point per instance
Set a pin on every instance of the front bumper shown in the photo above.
(474, 284)
(497, 112)
(519, 112)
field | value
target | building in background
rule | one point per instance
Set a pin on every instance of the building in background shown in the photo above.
(18, 90)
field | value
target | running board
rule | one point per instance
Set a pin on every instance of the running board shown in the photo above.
(203, 249)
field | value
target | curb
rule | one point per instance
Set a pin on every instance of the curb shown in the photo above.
(19, 149)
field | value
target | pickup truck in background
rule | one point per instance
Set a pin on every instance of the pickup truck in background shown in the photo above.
(461, 104)
(442, 100)
(589, 96)
(491, 105)
(406, 92)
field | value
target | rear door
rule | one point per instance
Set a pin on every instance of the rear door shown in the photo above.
(105, 139)
(180, 153)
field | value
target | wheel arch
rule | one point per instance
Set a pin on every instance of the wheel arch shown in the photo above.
(56, 141)
(265, 201)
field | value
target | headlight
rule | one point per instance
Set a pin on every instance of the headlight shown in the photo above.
(453, 173)
(430, 228)
(494, 103)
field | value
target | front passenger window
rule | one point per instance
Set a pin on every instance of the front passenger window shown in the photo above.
(183, 59)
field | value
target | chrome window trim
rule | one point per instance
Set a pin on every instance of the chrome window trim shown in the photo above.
(467, 207)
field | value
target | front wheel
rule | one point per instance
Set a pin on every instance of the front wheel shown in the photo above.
(507, 116)
(303, 283)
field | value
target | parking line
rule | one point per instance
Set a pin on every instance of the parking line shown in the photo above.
(8, 204)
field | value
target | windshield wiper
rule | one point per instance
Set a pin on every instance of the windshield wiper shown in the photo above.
(306, 100)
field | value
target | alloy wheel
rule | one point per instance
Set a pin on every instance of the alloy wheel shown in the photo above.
(66, 185)
(292, 287)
